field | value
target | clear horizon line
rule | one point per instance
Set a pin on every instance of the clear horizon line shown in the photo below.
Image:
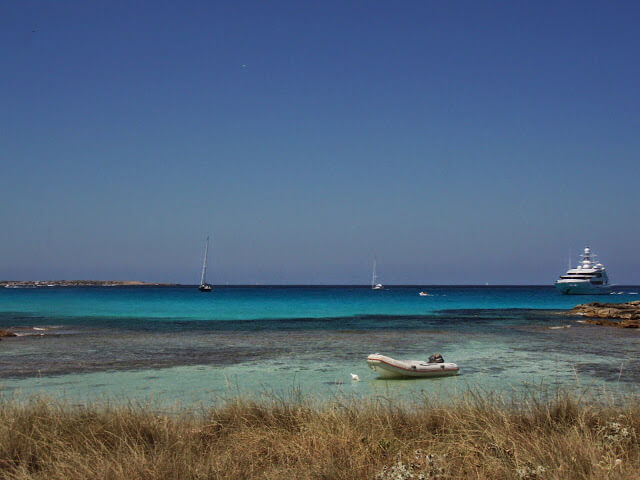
(363, 285)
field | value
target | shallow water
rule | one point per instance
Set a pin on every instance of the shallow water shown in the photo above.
(177, 344)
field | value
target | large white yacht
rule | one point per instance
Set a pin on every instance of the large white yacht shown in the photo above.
(588, 278)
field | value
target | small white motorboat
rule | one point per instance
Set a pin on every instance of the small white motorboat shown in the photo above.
(423, 294)
(387, 367)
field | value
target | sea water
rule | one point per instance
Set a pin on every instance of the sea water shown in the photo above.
(178, 344)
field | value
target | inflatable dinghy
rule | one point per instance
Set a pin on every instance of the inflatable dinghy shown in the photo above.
(387, 367)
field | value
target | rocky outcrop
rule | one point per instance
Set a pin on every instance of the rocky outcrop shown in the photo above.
(622, 315)
(7, 333)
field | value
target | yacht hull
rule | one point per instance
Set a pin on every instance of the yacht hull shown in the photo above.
(582, 288)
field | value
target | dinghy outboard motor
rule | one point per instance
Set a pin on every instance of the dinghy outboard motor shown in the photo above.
(436, 358)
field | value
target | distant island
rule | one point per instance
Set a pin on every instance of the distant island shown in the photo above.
(78, 283)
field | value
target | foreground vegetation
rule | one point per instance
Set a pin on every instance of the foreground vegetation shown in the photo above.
(477, 436)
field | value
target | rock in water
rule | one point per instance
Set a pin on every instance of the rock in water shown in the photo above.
(627, 313)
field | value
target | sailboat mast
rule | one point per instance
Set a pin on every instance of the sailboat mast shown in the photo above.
(204, 263)
(373, 276)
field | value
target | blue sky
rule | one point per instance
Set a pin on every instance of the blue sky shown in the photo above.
(460, 142)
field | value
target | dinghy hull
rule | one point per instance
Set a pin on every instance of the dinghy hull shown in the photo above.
(387, 367)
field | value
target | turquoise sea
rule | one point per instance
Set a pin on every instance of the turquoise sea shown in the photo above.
(175, 344)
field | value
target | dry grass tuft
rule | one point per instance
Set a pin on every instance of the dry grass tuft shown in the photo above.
(476, 436)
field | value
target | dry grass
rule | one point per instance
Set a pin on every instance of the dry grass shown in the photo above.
(475, 437)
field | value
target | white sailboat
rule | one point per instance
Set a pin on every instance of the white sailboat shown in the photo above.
(374, 284)
(204, 286)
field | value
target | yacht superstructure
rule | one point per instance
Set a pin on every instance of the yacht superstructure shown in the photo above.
(588, 278)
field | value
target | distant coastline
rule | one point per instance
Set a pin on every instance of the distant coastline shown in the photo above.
(79, 283)
(282, 285)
